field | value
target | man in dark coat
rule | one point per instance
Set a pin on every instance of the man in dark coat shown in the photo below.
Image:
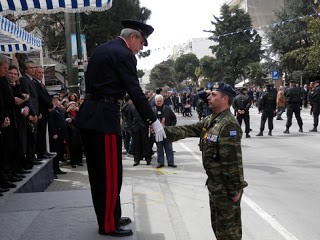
(293, 98)
(241, 104)
(44, 104)
(111, 73)
(315, 95)
(140, 136)
(267, 105)
(28, 86)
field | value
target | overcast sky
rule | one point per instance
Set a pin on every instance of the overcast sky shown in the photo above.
(175, 22)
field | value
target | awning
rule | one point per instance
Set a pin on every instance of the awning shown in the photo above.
(52, 6)
(14, 39)
(240, 84)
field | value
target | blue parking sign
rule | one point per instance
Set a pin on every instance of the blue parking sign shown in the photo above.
(275, 75)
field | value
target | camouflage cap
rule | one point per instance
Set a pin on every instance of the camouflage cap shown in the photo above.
(223, 87)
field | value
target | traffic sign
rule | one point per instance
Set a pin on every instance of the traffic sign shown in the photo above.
(275, 75)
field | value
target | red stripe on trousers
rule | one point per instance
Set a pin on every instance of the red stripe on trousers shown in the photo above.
(111, 162)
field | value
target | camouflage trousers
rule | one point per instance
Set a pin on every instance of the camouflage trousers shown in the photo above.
(225, 216)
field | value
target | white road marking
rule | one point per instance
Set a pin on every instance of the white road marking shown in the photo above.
(192, 152)
(269, 219)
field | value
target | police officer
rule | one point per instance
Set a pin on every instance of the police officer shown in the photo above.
(293, 98)
(241, 105)
(267, 105)
(315, 95)
(220, 142)
(111, 73)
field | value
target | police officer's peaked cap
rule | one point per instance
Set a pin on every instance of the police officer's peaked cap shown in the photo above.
(143, 28)
(223, 87)
(317, 81)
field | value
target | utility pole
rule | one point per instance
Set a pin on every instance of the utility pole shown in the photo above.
(68, 51)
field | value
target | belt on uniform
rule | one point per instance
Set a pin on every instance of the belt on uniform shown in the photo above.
(102, 98)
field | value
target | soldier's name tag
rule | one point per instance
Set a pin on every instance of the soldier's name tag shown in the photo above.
(233, 133)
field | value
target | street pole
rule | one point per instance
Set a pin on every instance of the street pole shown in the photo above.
(68, 51)
(80, 59)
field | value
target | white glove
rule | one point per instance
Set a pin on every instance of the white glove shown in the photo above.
(159, 131)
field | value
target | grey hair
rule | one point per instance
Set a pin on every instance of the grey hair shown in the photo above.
(158, 96)
(3, 60)
(28, 62)
(126, 32)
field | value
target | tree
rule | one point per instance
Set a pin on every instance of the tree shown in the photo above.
(290, 38)
(236, 47)
(255, 72)
(185, 67)
(161, 75)
(100, 27)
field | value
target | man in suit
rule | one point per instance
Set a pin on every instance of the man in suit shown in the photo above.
(44, 105)
(111, 73)
(7, 126)
(28, 86)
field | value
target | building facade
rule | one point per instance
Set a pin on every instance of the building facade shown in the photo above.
(261, 11)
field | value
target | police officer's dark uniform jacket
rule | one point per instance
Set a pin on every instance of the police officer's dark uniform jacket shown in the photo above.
(242, 102)
(293, 98)
(267, 105)
(315, 96)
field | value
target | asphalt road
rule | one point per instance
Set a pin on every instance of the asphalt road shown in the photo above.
(282, 201)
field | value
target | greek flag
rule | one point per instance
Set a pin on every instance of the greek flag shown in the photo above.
(52, 6)
(14, 39)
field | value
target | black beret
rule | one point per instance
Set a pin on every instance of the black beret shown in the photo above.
(223, 87)
(141, 27)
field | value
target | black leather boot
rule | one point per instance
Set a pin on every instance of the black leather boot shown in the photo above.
(260, 134)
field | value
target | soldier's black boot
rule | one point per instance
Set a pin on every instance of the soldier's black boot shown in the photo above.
(300, 129)
(260, 134)
(286, 131)
(314, 129)
(247, 135)
(270, 133)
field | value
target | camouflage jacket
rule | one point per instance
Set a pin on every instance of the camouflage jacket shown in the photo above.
(220, 143)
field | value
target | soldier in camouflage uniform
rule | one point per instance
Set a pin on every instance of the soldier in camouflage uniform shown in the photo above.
(220, 142)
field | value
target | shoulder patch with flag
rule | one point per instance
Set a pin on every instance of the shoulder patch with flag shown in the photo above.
(233, 133)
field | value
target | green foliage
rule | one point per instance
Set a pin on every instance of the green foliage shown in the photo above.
(140, 73)
(185, 67)
(100, 27)
(162, 75)
(52, 27)
(235, 51)
(255, 72)
(291, 40)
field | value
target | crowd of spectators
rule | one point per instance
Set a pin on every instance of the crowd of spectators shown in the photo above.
(27, 110)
